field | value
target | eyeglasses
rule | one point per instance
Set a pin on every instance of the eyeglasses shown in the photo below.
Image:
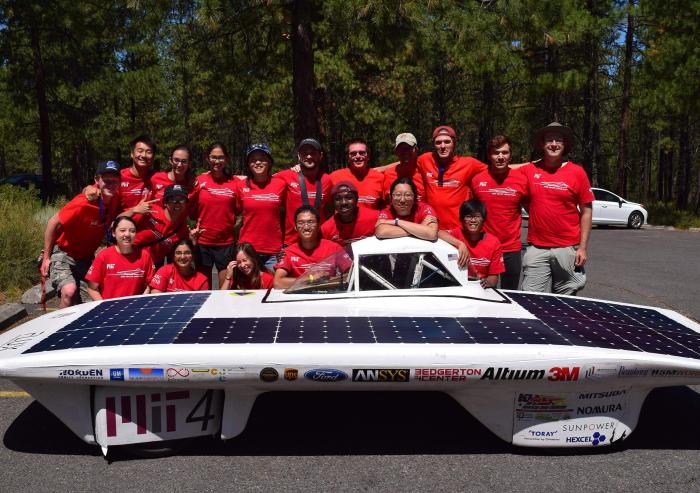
(179, 161)
(405, 196)
(310, 222)
(357, 153)
(183, 254)
(473, 218)
(217, 158)
(181, 200)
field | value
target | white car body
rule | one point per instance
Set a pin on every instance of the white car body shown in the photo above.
(610, 209)
(538, 370)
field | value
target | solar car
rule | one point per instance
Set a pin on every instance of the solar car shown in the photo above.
(538, 370)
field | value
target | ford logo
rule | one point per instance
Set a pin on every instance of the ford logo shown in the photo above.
(325, 375)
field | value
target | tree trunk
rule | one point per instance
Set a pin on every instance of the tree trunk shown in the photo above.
(487, 116)
(621, 185)
(661, 173)
(303, 85)
(670, 154)
(44, 124)
(684, 164)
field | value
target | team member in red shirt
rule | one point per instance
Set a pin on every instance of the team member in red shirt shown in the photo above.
(447, 176)
(310, 186)
(73, 234)
(405, 216)
(180, 172)
(350, 222)
(180, 275)
(120, 269)
(478, 251)
(503, 190)
(246, 271)
(162, 227)
(136, 179)
(311, 249)
(260, 198)
(368, 182)
(406, 149)
(214, 206)
(560, 216)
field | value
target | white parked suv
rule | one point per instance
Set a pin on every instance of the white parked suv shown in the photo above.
(609, 208)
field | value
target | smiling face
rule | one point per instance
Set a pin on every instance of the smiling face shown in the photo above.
(217, 161)
(183, 256)
(407, 154)
(259, 164)
(309, 156)
(245, 264)
(180, 162)
(142, 157)
(499, 157)
(175, 205)
(553, 146)
(307, 226)
(403, 199)
(444, 147)
(108, 185)
(124, 232)
(358, 156)
(472, 223)
(345, 202)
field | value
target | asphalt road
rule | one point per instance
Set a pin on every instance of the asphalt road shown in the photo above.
(399, 441)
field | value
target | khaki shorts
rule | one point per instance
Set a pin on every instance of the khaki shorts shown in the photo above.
(552, 270)
(65, 270)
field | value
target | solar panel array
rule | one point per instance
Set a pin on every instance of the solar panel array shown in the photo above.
(169, 320)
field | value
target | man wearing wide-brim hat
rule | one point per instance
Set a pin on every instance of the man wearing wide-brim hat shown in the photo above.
(560, 215)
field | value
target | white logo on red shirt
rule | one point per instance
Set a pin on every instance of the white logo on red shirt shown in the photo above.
(110, 266)
(555, 185)
(294, 259)
(482, 184)
(505, 192)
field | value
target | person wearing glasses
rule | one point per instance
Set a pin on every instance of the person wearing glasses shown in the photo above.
(180, 172)
(308, 250)
(260, 197)
(180, 274)
(213, 204)
(478, 251)
(447, 176)
(405, 216)
(368, 181)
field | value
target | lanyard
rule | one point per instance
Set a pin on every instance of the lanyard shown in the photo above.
(108, 231)
(305, 195)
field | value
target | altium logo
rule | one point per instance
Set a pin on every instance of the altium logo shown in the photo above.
(555, 374)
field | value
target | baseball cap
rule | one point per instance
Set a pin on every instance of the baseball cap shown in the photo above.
(444, 130)
(262, 147)
(311, 142)
(343, 184)
(406, 138)
(107, 167)
(174, 190)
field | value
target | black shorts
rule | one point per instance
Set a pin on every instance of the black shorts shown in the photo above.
(215, 255)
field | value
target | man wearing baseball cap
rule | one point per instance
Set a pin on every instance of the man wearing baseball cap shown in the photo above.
(406, 149)
(447, 176)
(560, 216)
(73, 234)
(349, 222)
(368, 181)
(309, 186)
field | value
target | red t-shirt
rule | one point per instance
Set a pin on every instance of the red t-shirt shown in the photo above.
(133, 189)
(485, 256)
(345, 233)
(160, 181)
(261, 214)
(294, 200)
(266, 279)
(297, 261)
(168, 279)
(502, 201)
(421, 211)
(214, 205)
(83, 227)
(152, 227)
(393, 173)
(121, 275)
(555, 220)
(448, 197)
(370, 186)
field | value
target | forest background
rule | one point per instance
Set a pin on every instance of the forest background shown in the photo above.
(79, 80)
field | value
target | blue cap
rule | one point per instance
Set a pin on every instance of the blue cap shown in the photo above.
(258, 147)
(107, 167)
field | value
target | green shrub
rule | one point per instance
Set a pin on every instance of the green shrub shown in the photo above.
(666, 214)
(21, 240)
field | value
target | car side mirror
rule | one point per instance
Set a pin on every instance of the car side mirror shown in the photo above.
(620, 203)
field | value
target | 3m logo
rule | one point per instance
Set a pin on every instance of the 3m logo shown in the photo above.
(563, 373)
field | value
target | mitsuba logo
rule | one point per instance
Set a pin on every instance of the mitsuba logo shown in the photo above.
(380, 375)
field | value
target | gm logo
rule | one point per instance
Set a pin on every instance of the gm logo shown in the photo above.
(116, 373)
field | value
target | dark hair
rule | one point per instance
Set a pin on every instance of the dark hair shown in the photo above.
(356, 140)
(472, 206)
(181, 147)
(213, 146)
(256, 278)
(405, 180)
(144, 139)
(307, 208)
(119, 219)
(496, 142)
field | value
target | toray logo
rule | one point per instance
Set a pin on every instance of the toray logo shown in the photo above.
(325, 375)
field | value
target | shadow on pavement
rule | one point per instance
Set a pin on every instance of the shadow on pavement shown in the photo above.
(371, 423)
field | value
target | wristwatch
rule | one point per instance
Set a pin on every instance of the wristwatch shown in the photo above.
(396, 221)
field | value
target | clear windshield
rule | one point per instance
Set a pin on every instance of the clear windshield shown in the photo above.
(330, 275)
